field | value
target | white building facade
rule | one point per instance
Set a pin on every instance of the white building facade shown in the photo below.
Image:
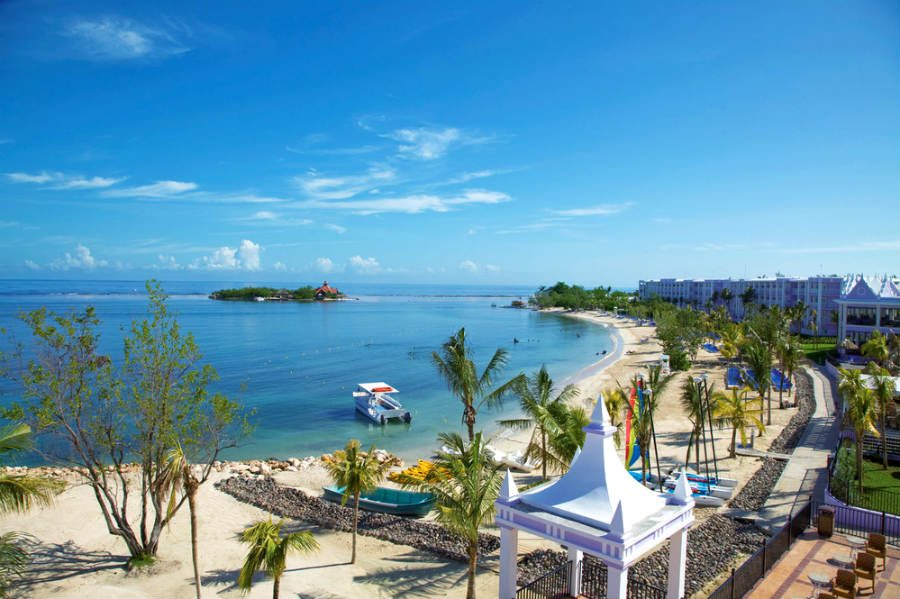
(866, 305)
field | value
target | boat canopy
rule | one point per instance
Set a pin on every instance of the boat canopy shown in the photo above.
(379, 387)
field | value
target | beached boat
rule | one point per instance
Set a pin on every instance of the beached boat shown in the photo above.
(387, 501)
(701, 493)
(721, 487)
(373, 401)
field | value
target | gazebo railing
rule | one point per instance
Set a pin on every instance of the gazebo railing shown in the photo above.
(642, 590)
(593, 578)
(552, 585)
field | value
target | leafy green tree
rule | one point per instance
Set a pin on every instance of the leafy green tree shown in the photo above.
(19, 493)
(102, 416)
(615, 400)
(860, 410)
(692, 405)
(269, 550)
(456, 367)
(759, 358)
(565, 445)
(546, 413)
(733, 409)
(357, 472)
(727, 295)
(748, 298)
(465, 484)
(876, 347)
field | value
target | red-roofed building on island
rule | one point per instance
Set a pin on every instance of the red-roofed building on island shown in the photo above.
(326, 291)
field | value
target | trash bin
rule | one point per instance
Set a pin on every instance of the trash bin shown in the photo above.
(826, 521)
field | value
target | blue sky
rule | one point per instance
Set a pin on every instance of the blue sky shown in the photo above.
(455, 142)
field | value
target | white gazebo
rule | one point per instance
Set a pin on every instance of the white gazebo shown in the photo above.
(599, 509)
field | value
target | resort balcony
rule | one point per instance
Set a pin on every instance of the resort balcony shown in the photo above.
(867, 321)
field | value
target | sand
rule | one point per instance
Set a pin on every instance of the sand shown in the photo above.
(76, 557)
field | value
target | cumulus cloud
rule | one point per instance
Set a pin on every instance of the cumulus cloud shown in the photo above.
(80, 259)
(32, 265)
(245, 256)
(364, 265)
(280, 266)
(116, 39)
(468, 266)
(324, 265)
(598, 210)
(160, 189)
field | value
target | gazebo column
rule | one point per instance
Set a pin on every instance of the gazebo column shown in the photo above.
(575, 557)
(616, 582)
(509, 549)
(677, 564)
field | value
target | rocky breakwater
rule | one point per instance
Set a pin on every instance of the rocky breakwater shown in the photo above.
(266, 494)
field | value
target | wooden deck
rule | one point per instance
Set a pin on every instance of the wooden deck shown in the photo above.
(789, 578)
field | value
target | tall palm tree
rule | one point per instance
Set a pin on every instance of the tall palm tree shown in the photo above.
(727, 295)
(456, 367)
(883, 387)
(543, 411)
(814, 324)
(615, 400)
(465, 484)
(179, 477)
(861, 411)
(564, 446)
(269, 550)
(356, 472)
(692, 405)
(732, 409)
(759, 359)
(642, 427)
(19, 494)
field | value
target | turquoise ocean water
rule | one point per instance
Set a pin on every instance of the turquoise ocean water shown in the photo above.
(298, 364)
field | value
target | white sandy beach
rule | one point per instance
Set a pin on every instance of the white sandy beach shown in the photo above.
(76, 557)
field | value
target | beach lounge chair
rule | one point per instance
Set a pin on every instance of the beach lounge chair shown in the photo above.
(876, 546)
(865, 568)
(844, 584)
(733, 378)
(779, 381)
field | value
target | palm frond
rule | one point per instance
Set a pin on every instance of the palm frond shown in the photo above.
(21, 493)
(15, 437)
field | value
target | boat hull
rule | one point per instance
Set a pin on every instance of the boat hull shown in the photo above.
(388, 501)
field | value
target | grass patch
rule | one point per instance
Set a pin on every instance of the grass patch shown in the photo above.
(816, 354)
(141, 561)
(881, 488)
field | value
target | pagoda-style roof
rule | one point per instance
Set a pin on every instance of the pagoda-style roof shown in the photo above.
(597, 484)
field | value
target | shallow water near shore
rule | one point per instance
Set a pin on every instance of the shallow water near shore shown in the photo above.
(298, 363)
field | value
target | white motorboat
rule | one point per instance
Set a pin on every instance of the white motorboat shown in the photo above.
(374, 401)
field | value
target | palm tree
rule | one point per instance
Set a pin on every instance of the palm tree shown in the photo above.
(19, 494)
(465, 484)
(860, 411)
(458, 370)
(269, 550)
(876, 347)
(642, 427)
(179, 477)
(748, 297)
(883, 388)
(759, 359)
(814, 324)
(615, 401)
(543, 411)
(564, 446)
(692, 404)
(356, 472)
(727, 295)
(732, 409)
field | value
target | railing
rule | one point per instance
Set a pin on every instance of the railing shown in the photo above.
(850, 520)
(745, 576)
(640, 590)
(553, 584)
(878, 500)
(593, 578)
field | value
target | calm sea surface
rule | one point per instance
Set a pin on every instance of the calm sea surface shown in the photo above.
(298, 364)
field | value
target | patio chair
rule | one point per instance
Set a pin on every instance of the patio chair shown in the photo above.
(876, 546)
(844, 584)
(865, 568)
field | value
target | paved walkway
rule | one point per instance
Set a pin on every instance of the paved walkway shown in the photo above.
(756, 453)
(805, 473)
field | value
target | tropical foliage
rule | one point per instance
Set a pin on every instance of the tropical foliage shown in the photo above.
(357, 472)
(615, 399)
(575, 297)
(455, 366)
(249, 294)
(692, 405)
(735, 410)
(269, 550)
(883, 387)
(103, 417)
(861, 412)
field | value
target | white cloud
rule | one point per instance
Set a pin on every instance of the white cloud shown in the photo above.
(317, 187)
(223, 258)
(248, 252)
(63, 181)
(42, 177)
(160, 189)
(468, 266)
(411, 204)
(423, 143)
(264, 215)
(81, 259)
(324, 265)
(336, 228)
(31, 265)
(280, 266)
(267, 217)
(471, 176)
(89, 183)
(117, 38)
(364, 265)
(599, 210)
(167, 262)
(492, 268)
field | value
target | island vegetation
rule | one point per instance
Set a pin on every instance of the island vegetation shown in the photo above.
(301, 294)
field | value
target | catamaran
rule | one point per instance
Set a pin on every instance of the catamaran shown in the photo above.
(373, 401)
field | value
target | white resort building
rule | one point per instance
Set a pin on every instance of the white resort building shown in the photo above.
(850, 306)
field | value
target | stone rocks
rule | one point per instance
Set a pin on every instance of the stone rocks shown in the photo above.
(264, 493)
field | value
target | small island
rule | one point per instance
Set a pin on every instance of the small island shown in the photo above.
(322, 293)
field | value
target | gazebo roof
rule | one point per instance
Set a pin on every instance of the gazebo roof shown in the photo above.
(597, 490)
